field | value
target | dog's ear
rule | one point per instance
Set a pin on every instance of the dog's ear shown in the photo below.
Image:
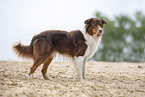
(103, 21)
(88, 21)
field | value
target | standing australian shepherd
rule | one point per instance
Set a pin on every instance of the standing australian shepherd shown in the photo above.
(79, 45)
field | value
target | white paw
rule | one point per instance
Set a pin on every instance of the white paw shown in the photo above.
(31, 76)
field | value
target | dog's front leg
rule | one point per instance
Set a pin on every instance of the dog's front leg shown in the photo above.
(79, 66)
(84, 67)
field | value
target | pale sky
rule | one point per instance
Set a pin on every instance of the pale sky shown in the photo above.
(22, 19)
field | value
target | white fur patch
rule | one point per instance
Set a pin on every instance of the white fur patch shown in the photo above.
(16, 42)
(63, 58)
(92, 42)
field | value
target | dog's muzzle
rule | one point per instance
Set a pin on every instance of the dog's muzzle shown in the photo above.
(100, 32)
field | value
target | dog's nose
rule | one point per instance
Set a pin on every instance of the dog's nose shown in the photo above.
(100, 31)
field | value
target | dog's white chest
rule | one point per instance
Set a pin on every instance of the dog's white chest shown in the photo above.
(93, 43)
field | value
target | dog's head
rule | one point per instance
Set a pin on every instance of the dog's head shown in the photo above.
(94, 26)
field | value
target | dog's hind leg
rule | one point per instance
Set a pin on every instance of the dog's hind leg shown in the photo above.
(37, 62)
(45, 66)
(42, 49)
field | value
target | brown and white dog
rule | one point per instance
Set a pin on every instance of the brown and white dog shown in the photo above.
(79, 45)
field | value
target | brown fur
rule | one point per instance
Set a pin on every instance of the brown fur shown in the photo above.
(44, 46)
(23, 51)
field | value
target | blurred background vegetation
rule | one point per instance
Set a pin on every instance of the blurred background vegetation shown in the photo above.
(123, 39)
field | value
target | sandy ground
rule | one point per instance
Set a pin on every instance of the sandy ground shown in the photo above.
(103, 79)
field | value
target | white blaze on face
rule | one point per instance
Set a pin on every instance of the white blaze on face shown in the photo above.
(100, 31)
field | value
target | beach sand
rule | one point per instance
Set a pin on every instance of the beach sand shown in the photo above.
(103, 79)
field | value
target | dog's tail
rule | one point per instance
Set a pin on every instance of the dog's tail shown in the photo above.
(23, 51)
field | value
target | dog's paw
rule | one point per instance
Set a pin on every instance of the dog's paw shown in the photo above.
(31, 76)
(82, 80)
(45, 77)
